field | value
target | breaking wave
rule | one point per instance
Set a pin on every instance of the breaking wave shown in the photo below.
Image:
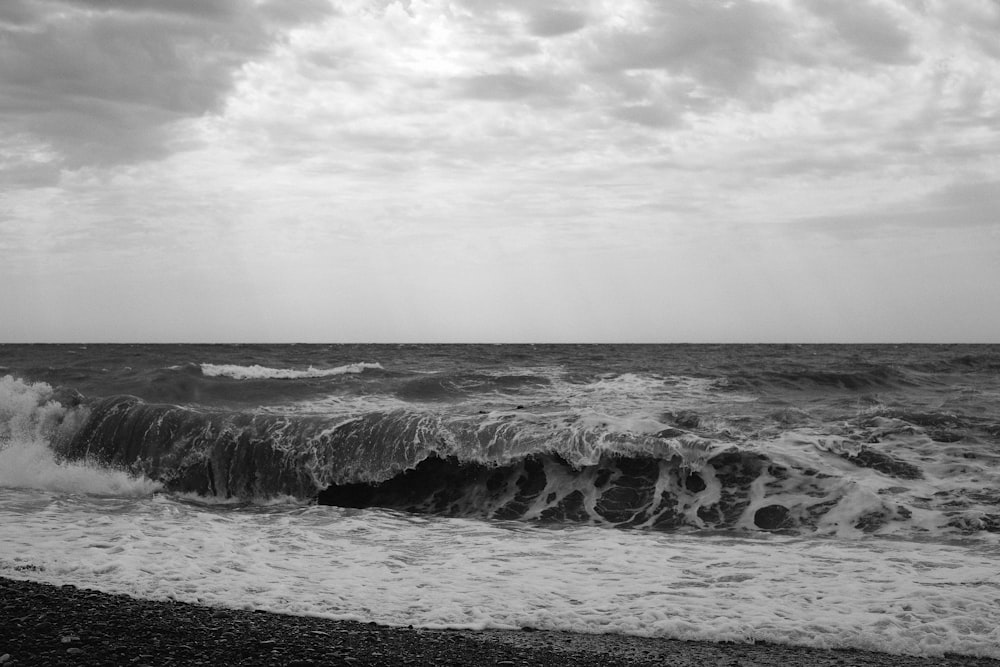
(512, 467)
(463, 444)
(256, 372)
(31, 416)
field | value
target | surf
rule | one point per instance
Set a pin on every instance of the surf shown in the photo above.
(515, 465)
(258, 372)
(32, 417)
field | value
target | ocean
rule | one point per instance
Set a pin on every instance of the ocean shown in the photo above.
(825, 496)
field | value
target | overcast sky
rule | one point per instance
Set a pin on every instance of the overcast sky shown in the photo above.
(475, 170)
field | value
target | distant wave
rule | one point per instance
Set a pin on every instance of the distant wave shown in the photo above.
(871, 378)
(257, 372)
(455, 385)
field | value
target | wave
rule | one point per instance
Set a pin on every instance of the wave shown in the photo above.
(506, 467)
(34, 414)
(33, 465)
(253, 453)
(457, 385)
(256, 372)
(865, 379)
(623, 491)
(570, 466)
(974, 360)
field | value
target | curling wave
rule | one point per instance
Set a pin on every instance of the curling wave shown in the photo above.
(499, 467)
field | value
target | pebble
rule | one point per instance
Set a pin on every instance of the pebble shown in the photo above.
(74, 651)
(5, 658)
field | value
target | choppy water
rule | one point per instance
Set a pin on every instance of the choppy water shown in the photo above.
(819, 495)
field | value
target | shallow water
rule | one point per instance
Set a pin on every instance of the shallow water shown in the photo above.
(404, 569)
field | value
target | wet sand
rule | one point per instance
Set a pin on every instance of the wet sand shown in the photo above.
(63, 625)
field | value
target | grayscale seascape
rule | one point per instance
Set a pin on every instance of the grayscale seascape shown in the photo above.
(454, 332)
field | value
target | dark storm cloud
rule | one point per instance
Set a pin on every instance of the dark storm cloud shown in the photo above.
(98, 81)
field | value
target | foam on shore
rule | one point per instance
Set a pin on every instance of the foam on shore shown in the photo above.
(399, 569)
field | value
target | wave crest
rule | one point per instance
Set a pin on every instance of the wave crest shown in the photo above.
(257, 372)
(505, 467)
(32, 415)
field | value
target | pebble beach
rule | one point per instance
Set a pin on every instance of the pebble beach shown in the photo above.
(42, 624)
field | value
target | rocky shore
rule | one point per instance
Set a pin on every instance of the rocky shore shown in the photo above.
(62, 625)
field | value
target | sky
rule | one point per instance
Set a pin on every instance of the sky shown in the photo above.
(499, 171)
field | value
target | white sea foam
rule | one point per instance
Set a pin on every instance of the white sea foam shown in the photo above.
(905, 597)
(32, 465)
(27, 410)
(949, 492)
(29, 420)
(634, 390)
(335, 404)
(257, 372)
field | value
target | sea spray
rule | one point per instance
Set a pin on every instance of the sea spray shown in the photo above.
(31, 421)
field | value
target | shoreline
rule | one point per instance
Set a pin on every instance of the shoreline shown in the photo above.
(45, 624)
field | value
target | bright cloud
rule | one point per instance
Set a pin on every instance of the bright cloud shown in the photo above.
(472, 170)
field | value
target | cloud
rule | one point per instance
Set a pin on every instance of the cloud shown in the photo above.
(508, 86)
(15, 14)
(867, 28)
(650, 115)
(947, 209)
(295, 12)
(289, 146)
(100, 81)
(718, 44)
(739, 96)
(977, 21)
(974, 204)
(547, 22)
(208, 9)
